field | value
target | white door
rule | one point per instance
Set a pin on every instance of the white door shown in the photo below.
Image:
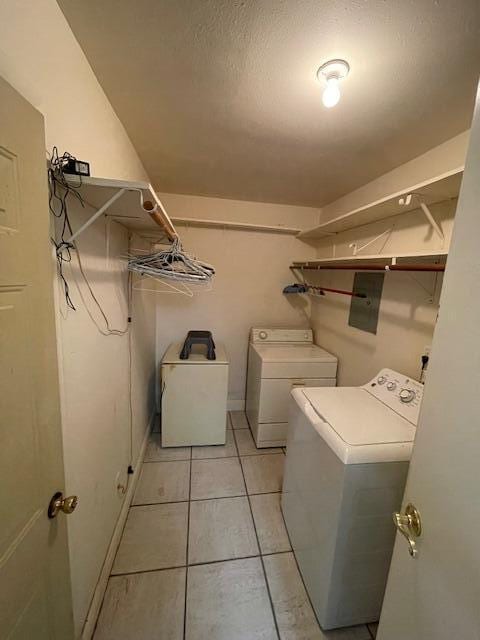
(35, 599)
(436, 595)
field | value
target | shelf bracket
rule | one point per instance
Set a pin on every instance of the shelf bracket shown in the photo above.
(406, 201)
(434, 224)
(95, 216)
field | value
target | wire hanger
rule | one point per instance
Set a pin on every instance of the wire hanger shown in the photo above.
(172, 264)
(182, 287)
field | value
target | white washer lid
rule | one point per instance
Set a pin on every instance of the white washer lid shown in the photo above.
(197, 355)
(293, 353)
(357, 427)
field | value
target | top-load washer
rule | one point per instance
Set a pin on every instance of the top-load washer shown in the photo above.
(347, 460)
(280, 359)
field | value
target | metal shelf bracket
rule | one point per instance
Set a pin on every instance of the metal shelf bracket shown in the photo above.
(406, 201)
(96, 215)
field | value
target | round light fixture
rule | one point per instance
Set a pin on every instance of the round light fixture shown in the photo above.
(331, 73)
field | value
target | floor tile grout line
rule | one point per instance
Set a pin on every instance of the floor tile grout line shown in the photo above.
(240, 495)
(189, 501)
(187, 549)
(235, 444)
(260, 452)
(276, 553)
(236, 455)
(261, 558)
(197, 564)
(115, 557)
(158, 461)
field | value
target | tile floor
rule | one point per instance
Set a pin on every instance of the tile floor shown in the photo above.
(205, 554)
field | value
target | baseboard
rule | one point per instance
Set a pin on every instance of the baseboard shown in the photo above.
(96, 603)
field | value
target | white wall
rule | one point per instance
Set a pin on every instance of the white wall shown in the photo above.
(441, 159)
(40, 57)
(409, 304)
(100, 439)
(251, 271)
(405, 326)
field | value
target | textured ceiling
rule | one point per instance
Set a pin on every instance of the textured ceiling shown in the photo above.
(220, 97)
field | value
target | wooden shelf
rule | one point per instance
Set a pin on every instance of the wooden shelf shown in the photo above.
(386, 259)
(437, 190)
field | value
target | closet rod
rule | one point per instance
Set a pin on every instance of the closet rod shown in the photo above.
(303, 287)
(375, 267)
(342, 291)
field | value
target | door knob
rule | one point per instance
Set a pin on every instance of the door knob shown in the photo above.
(59, 503)
(410, 526)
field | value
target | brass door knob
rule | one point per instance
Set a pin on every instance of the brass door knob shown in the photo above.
(59, 503)
(410, 526)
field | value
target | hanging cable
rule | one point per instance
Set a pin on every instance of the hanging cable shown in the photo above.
(60, 191)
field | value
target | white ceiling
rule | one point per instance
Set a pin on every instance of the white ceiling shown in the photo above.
(220, 97)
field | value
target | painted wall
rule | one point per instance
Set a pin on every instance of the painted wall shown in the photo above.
(409, 305)
(406, 325)
(40, 57)
(251, 271)
(102, 435)
(441, 159)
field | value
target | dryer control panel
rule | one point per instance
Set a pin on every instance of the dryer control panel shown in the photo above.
(400, 393)
(280, 334)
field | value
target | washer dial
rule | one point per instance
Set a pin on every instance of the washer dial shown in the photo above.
(407, 395)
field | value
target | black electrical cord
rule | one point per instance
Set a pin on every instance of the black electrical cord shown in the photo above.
(60, 189)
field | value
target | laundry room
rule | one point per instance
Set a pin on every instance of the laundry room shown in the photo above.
(238, 265)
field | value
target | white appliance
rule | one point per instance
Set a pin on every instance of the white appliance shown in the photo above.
(347, 460)
(194, 397)
(278, 360)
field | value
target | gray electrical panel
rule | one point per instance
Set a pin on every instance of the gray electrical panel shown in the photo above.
(364, 311)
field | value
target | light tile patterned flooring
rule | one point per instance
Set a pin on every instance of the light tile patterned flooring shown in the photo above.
(205, 554)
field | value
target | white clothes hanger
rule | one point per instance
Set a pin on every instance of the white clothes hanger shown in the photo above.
(172, 264)
(182, 287)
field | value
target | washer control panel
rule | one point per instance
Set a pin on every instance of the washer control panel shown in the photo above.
(280, 334)
(401, 393)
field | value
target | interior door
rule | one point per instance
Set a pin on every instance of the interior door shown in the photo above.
(437, 594)
(35, 597)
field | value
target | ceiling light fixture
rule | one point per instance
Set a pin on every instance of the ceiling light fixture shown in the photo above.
(332, 72)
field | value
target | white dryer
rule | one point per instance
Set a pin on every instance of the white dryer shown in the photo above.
(347, 460)
(280, 359)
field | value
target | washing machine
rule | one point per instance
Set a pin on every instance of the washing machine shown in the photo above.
(347, 460)
(280, 359)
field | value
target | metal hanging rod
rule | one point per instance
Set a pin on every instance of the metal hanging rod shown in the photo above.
(303, 287)
(322, 290)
